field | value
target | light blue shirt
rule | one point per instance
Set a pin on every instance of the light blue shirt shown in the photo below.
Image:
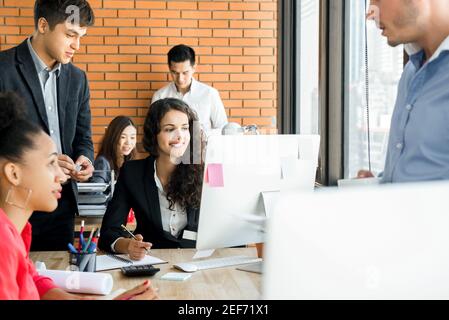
(418, 147)
(49, 85)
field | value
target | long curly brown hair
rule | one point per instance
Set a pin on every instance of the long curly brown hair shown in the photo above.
(185, 183)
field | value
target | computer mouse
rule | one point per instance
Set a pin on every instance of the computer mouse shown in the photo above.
(186, 267)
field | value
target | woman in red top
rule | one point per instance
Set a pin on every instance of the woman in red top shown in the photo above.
(30, 179)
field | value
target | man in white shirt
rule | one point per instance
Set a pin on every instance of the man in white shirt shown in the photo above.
(204, 99)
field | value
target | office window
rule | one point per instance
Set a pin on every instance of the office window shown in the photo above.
(384, 68)
(309, 66)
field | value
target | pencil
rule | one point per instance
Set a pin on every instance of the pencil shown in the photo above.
(134, 237)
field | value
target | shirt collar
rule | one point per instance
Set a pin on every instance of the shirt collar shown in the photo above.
(193, 85)
(413, 49)
(156, 179)
(40, 65)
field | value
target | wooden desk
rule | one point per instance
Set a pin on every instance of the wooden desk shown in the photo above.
(216, 284)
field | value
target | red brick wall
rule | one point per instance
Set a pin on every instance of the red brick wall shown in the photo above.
(124, 55)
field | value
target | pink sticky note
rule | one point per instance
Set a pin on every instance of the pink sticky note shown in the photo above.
(215, 174)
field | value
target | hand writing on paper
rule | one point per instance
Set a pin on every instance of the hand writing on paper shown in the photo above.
(137, 248)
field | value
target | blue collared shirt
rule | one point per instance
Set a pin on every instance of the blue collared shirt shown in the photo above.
(48, 81)
(418, 147)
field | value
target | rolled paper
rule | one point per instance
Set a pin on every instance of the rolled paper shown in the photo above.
(81, 282)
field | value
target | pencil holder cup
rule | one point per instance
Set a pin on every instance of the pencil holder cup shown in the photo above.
(83, 262)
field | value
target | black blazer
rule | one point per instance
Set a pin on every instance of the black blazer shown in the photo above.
(18, 74)
(137, 189)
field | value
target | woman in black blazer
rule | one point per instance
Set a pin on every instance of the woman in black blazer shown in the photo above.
(164, 195)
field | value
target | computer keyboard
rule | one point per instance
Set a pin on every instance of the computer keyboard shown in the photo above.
(193, 266)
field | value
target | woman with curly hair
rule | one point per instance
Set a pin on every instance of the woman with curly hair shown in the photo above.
(164, 189)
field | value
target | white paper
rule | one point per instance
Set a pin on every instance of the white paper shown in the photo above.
(81, 282)
(189, 235)
(106, 262)
(203, 253)
(176, 276)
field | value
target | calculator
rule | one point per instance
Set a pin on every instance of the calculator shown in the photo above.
(142, 270)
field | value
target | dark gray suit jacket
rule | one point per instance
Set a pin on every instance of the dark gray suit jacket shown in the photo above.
(18, 74)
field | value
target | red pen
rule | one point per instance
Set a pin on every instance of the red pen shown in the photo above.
(81, 243)
(94, 242)
(96, 236)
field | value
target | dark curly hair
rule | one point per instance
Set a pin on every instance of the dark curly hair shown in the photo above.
(16, 131)
(185, 183)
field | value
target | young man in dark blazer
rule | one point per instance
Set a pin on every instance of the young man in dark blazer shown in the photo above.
(56, 94)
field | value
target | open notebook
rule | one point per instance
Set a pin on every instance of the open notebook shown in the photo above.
(116, 261)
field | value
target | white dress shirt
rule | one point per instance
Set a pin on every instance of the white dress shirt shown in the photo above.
(202, 98)
(173, 221)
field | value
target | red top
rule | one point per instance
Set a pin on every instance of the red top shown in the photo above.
(18, 277)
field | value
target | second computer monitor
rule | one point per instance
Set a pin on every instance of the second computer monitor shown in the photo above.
(383, 242)
(243, 177)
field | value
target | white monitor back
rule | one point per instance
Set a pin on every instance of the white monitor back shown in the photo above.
(234, 214)
(385, 242)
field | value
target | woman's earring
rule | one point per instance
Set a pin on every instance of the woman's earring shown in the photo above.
(11, 202)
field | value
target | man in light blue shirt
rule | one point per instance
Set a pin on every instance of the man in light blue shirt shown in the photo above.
(418, 148)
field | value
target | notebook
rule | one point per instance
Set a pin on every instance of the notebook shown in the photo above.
(111, 261)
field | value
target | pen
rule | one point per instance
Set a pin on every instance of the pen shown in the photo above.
(81, 244)
(89, 240)
(93, 244)
(72, 248)
(92, 247)
(134, 237)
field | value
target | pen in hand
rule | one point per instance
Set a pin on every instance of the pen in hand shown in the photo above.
(134, 237)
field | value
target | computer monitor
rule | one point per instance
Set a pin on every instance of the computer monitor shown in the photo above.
(243, 175)
(385, 242)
